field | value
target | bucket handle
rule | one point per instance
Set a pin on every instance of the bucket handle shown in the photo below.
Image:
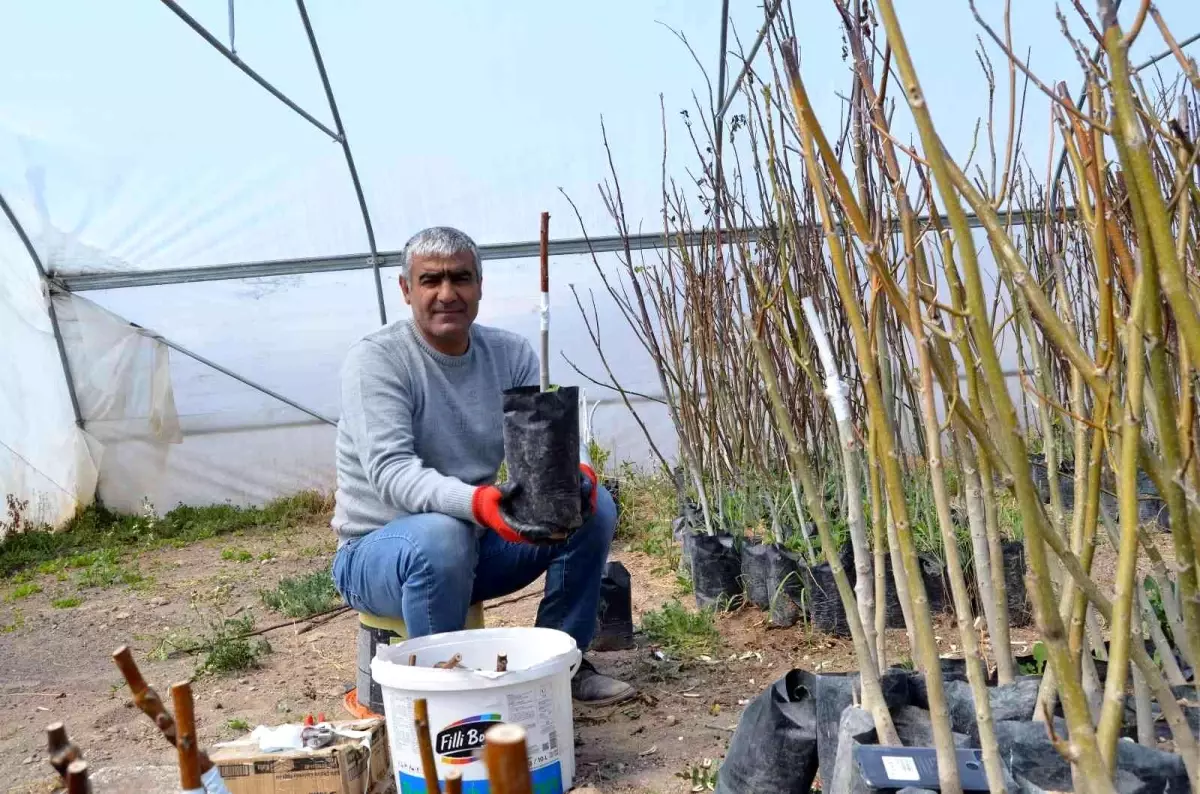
(575, 662)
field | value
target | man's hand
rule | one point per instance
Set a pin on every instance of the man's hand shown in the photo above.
(490, 506)
(589, 491)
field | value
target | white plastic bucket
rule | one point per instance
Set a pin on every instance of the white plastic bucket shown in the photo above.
(535, 693)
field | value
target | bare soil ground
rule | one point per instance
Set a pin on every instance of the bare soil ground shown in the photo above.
(56, 666)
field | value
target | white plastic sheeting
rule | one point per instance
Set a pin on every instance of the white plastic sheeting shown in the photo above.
(46, 464)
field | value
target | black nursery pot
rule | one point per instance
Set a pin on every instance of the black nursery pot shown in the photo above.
(1152, 508)
(893, 612)
(771, 579)
(684, 532)
(1020, 613)
(1041, 475)
(937, 583)
(541, 448)
(785, 587)
(756, 572)
(774, 748)
(716, 568)
(615, 615)
(825, 609)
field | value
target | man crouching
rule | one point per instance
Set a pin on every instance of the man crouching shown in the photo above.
(422, 533)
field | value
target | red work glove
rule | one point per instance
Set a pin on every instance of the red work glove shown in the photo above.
(589, 490)
(490, 506)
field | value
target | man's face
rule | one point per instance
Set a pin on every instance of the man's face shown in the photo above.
(444, 295)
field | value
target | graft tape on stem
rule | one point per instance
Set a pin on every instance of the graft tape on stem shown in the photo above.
(544, 312)
(835, 390)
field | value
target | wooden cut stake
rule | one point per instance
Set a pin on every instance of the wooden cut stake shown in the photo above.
(425, 743)
(61, 750)
(146, 699)
(185, 742)
(450, 663)
(507, 760)
(77, 777)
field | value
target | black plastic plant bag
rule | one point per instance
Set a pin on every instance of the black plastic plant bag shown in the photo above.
(615, 615)
(893, 611)
(1152, 508)
(937, 583)
(1020, 613)
(833, 693)
(684, 531)
(716, 569)
(541, 448)
(774, 748)
(785, 587)
(1041, 475)
(756, 571)
(824, 603)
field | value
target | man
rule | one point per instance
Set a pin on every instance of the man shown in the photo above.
(422, 530)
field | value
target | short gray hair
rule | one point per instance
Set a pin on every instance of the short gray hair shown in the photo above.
(439, 241)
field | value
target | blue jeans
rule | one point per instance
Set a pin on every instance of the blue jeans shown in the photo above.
(429, 568)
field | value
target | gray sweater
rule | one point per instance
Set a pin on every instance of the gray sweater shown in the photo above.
(419, 429)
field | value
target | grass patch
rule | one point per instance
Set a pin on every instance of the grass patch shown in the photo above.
(311, 552)
(237, 724)
(233, 554)
(1008, 516)
(67, 602)
(25, 590)
(103, 569)
(303, 596)
(172, 641)
(97, 529)
(22, 578)
(680, 632)
(18, 620)
(230, 651)
(647, 506)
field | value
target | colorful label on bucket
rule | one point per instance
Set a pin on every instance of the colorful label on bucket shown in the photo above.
(546, 780)
(458, 742)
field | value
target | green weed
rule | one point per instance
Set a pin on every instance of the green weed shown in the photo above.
(1155, 596)
(1008, 515)
(237, 724)
(50, 567)
(310, 552)
(303, 596)
(104, 570)
(96, 529)
(18, 620)
(172, 641)
(647, 507)
(1038, 665)
(230, 651)
(702, 776)
(22, 578)
(23, 591)
(66, 602)
(680, 632)
(234, 554)
(599, 457)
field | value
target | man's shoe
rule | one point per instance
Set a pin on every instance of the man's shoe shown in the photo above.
(590, 688)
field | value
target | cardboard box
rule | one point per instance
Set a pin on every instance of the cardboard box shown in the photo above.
(344, 767)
